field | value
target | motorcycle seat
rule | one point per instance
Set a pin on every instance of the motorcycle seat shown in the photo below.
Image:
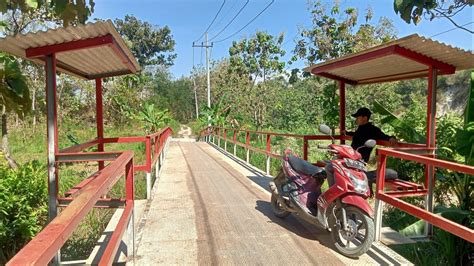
(303, 167)
(389, 174)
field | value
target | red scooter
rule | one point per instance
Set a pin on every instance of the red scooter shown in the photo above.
(342, 209)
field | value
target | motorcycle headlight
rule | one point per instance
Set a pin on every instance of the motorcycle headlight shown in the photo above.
(360, 186)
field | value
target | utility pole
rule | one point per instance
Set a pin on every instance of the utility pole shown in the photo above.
(207, 45)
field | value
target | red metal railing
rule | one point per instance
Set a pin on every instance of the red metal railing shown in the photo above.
(395, 188)
(393, 198)
(43, 247)
(87, 194)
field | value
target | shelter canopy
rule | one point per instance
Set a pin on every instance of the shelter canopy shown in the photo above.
(405, 58)
(90, 51)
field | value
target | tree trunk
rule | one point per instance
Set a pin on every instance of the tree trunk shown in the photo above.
(5, 147)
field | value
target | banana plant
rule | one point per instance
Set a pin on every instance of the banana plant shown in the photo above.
(404, 129)
(218, 114)
(153, 117)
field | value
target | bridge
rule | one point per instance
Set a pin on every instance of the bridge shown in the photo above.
(209, 207)
(204, 205)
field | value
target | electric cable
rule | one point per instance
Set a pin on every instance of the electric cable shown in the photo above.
(217, 14)
(247, 23)
(451, 29)
(232, 20)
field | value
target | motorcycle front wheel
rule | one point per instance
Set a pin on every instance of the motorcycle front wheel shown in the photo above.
(357, 238)
(277, 209)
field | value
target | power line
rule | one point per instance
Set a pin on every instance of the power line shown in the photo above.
(232, 20)
(217, 14)
(451, 29)
(247, 23)
(223, 18)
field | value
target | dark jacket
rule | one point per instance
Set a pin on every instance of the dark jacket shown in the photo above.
(362, 134)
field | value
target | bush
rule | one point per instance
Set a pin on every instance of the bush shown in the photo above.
(23, 206)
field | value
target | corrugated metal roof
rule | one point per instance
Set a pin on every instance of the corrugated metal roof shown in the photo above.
(87, 62)
(373, 65)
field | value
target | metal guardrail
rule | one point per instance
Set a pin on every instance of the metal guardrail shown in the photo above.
(87, 194)
(419, 153)
(393, 199)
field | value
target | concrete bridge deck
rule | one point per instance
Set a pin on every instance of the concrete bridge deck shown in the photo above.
(208, 208)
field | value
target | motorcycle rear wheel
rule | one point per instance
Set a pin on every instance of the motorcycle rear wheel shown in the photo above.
(277, 209)
(358, 239)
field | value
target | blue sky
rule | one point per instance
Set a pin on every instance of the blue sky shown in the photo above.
(188, 19)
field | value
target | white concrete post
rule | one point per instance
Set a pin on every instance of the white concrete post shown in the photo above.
(148, 185)
(378, 218)
(248, 155)
(268, 165)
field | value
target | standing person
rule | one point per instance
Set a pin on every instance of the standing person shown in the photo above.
(365, 131)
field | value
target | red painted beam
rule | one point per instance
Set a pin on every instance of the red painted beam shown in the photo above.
(436, 220)
(123, 56)
(124, 139)
(426, 160)
(353, 60)
(114, 242)
(334, 77)
(80, 147)
(42, 248)
(423, 59)
(69, 46)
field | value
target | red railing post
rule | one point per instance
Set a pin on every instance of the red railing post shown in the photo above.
(99, 117)
(305, 148)
(380, 184)
(342, 108)
(268, 150)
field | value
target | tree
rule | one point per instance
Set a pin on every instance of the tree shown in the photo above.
(150, 45)
(254, 58)
(332, 37)
(20, 14)
(258, 56)
(334, 34)
(432, 9)
(69, 12)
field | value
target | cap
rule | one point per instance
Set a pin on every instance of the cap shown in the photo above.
(362, 112)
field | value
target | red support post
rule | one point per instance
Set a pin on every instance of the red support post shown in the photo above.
(305, 148)
(268, 148)
(342, 108)
(381, 164)
(247, 139)
(148, 154)
(234, 137)
(99, 117)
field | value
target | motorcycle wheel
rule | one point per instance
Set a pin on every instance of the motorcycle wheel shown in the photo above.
(358, 238)
(277, 208)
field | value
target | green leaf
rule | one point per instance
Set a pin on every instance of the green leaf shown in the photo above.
(32, 3)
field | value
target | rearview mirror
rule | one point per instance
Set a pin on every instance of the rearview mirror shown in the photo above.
(370, 143)
(325, 129)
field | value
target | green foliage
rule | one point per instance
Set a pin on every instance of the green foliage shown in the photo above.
(404, 129)
(23, 206)
(149, 44)
(414, 10)
(14, 93)
(154, 119)
(218, 114)
(258, 56)
(332, 36)
(67, 11)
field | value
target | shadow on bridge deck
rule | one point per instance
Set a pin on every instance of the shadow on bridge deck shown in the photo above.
(210, 208)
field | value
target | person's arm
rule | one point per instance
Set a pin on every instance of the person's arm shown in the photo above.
(382, 136)
(348, 133)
